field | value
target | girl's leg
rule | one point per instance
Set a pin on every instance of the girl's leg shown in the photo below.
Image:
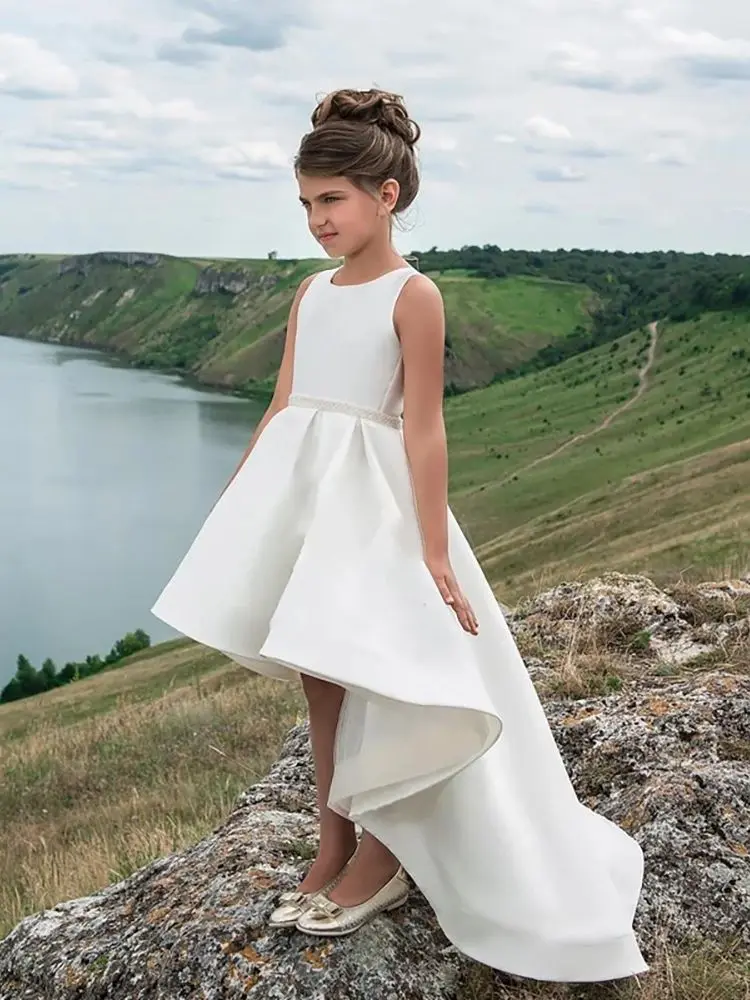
(338, 838)
(373, 866)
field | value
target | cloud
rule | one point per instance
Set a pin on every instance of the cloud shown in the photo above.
(541, 208)
(30, 72)
(505, 139)
(259, 27)
(593, 151)
(128, 101)
(585, 68)
(247, 161)
(440, 143)
(665, 158)
(544, 128)
(551, 175)
(184, 55)
(705, 56)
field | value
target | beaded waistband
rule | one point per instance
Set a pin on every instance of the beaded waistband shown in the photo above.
(339, 406)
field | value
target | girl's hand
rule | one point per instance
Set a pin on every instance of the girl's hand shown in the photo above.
(443, 575)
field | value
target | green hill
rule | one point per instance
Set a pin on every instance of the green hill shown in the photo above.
(663, 489)
(224, 322)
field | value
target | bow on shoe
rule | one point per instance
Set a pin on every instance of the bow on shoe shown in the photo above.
(323, 908)
(291, 897)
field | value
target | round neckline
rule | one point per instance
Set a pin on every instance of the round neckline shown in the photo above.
(363, 284)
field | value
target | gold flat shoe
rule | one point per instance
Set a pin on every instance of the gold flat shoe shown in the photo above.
(325, 918)
(294, 903)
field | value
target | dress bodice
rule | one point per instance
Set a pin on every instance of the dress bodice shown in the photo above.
(346, 346)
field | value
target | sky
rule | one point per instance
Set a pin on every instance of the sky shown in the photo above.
(171, 125)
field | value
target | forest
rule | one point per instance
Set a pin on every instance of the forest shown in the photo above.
(632, 289)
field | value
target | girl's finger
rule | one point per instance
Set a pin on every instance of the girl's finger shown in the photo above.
(468, 618)
(462, 610)
(445, 591)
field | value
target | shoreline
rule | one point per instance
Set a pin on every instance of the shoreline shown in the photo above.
(260, 396)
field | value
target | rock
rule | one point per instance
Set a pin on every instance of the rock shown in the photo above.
(615, 612)
(668, 759)
(192, 924)
(83, 263)
(211, 281)
(670, 762)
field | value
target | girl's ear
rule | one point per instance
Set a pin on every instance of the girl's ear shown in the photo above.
(389, 192)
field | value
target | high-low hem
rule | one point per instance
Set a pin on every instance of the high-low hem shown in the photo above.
(509, 949)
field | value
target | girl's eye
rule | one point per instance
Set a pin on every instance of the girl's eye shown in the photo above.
(332, 197)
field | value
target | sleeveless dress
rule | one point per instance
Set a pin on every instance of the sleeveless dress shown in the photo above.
(311, 562)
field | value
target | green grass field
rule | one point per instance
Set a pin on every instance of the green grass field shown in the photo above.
(665, 489)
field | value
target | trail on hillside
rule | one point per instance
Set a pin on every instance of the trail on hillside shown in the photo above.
(643, 384)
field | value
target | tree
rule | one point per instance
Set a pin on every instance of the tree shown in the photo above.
(12, 691)
(273, 254)
(28, 677)
(49, 673)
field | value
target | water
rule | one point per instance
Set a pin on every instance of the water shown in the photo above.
(106, 475)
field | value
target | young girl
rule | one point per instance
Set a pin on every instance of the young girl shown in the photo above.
(332, 555)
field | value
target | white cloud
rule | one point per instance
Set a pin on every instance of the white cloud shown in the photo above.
(541, 208)
(27, 70)
(128, 101)
(505, 139)
(563, 173)
(440, 143)
(704, 55)
(247, 160)
(668, 158)
(576, 65)
(544, 128)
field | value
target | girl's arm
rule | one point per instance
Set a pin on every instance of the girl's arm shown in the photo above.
(283, 379)
(419, 318)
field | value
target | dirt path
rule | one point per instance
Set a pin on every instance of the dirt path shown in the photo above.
(643, 384)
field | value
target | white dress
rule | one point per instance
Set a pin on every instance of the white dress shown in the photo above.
(311, 562)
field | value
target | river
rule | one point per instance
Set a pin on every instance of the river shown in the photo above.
(106, 475)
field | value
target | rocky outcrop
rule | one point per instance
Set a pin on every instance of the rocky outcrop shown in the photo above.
(193, 924)
(212, 281)
(667, 757)
(83, 263)
(629, 614)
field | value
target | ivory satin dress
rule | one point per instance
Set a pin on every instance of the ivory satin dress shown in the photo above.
(311, 562)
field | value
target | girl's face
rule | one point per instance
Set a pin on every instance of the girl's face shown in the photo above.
(342, 217)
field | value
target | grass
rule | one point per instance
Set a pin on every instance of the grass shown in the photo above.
(102, 776)
(694, 971)
(664, 490)
(150, 315)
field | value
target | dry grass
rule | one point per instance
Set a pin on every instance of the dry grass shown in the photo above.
(700, 608)
(102, 776)
(694, 971)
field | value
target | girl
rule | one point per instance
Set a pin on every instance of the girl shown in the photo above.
(332, 555)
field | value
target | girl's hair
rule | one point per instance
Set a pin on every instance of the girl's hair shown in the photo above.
(366, 136)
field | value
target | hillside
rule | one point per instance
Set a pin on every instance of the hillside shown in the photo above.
(224, 322)
(150, 761)
(664, 488)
